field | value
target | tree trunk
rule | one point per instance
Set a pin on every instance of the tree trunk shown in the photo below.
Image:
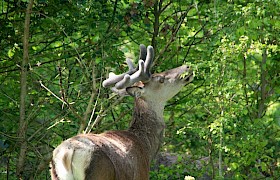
(156, 13)
(23, 92)
(261, 104)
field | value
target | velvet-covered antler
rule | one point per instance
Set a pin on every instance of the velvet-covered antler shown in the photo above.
(140, 73)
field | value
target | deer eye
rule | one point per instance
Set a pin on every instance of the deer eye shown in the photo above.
(161, 79)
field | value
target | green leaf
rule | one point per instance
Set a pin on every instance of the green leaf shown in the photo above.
(234, 166)
(263, 166)
(11, 53)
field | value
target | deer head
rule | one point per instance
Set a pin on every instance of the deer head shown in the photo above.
(141, 83)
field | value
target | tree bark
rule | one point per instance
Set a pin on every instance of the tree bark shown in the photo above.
(156, 12)
(261, 104)
(23, 92)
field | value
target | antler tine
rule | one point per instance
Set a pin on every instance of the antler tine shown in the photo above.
(113, 78)
(143, 52)
(143, 73)
(149, 60)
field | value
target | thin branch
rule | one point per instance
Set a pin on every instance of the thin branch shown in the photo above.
(102, 112)
(120, 117)
(79, 59)
(62, 91)
(163, 9)
(88, 109)
(113, 16)
(182, 98)
(63, 101)
(35, 65)
(173, 35)
(56, 96)
(9, 136)
(191, 43)
(88, 128)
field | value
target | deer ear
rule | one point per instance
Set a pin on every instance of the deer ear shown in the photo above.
(135, 91)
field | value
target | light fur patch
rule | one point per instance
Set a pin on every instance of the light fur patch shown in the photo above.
(82, 157)
(81, 161)
(71, 159)
(62, 160)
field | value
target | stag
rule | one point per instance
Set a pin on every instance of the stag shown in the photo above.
(124, 154)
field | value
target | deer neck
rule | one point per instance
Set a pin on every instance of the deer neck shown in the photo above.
(148, 124)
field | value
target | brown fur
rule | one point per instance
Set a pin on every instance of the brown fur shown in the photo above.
(67, 162)
(53, 171)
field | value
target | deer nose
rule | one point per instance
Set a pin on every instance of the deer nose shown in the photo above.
(186, 67)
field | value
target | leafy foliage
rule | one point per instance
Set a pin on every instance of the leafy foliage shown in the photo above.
(229, 115)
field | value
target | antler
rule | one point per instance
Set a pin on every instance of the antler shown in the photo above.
(140, 73)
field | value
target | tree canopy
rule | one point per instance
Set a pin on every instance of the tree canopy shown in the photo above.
(55, 54)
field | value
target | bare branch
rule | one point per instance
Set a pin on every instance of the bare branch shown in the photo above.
(90, 102)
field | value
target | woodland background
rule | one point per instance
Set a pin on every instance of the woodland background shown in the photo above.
(54, 55)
